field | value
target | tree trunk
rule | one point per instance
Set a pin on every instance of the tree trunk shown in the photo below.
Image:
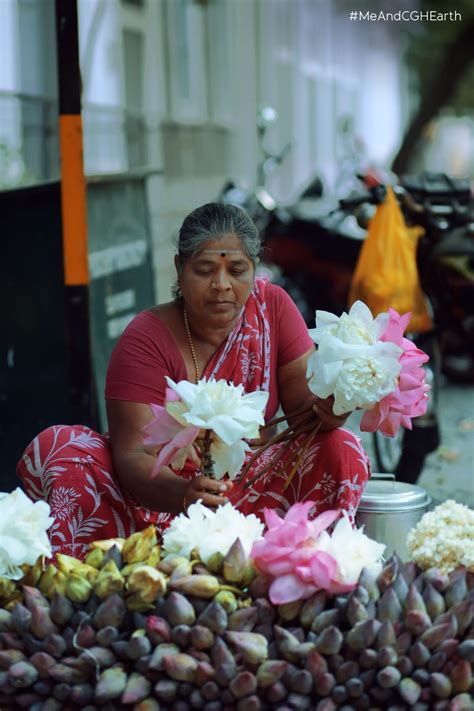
(457, 58)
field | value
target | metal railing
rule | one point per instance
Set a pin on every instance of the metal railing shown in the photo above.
(115, 140)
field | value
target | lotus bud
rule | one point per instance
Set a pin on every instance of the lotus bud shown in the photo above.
(312, 608)
(5, 620)
(55, 644)
(324, 684)
(248, 575)
(168, 564)
(113, 553)
(403, 642)
(215, 617)
(386, 635)
(201, 637)
(270, 672)
(355, 611)
(415, 601)
(138, 647)
(180, 635)
(62, 673)
(346, 671)
(461, 702)
(95, 558)
(440, 685)
(405, 665)
(61, 609)
(205, 586)
(302, 682)
(387, 657)
(437, 578)
(110, 685)
(154, 557)
(204, 673)
(437, 661)
(159, 653)
(464, 613)
(290, 610)
(368, 659)
(34, 598)
(106, 544)
(253, 647)
(243, 620)
(183, 570)
(7, 587)
(109, 580)
(20, 618)
(9, 657)
(66, 563)
(259, 586)
(330, 640)
(417, 622)
(466, 650)
(157, 629)
(369, 582)
(55, 584)
(32, 573)
(419, 654)
(325, 619)
(389, 607)
(78, 589)
(221, 654)
(316, 664)
(363, 634)
(139, 546)
(166, 690)
(137, 689)
(105, 636)
(449, 647)
(178, 610)
(433, 636)
(110, 613)
(227, 600)
(82, 693)
(288, 644)
(275, 692)
(43, 663)
(361, 593)
(461, 676)
(10, 603)
(244, 684)
(41, 624)
(22, 675)
(180, 667)
(409, 690)
(149, 582)
(388, 677)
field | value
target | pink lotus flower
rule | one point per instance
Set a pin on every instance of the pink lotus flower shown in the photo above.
(288, 554)
(177, 439)
(410, 398)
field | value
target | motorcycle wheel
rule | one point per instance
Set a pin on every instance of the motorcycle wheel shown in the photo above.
(404, 455)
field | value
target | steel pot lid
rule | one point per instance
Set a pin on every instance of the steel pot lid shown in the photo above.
(383, 494)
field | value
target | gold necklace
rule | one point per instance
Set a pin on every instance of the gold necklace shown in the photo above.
(191, 346)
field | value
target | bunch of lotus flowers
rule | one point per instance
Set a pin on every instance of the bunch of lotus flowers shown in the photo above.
(362, 363)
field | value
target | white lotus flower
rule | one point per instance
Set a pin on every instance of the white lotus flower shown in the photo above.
(352, 550)
(23, 537)
(224, 409)
(351, 363)
(210, 531)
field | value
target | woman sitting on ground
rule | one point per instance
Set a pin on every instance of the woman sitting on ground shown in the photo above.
(223, 323)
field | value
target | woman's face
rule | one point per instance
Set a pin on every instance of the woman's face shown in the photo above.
(217, 280)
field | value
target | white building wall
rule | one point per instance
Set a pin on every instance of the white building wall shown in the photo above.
(208, 67)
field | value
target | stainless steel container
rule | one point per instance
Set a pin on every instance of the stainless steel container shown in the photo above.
(389, 509)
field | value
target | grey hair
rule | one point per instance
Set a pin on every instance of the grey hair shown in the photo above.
(212, 222)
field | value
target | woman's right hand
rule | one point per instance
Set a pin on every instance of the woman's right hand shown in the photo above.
(211, 491)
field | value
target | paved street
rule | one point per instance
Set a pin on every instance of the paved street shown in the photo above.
(449, 471)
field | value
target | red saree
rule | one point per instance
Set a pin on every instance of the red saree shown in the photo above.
(71, 466)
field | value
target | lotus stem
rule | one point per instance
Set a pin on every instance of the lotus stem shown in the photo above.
(302, 454)
(207, 462)
(232, 589)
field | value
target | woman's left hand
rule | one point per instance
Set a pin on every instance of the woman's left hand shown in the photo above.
(323, 409)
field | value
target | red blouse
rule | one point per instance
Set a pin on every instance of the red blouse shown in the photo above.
(147, 351)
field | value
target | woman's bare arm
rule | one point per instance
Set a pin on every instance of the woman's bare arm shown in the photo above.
(133, 464)
(295, 394)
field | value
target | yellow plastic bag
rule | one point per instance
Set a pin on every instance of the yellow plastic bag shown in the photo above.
(386, 273)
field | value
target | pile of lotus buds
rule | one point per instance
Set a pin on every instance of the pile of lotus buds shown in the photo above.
(128, 629)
